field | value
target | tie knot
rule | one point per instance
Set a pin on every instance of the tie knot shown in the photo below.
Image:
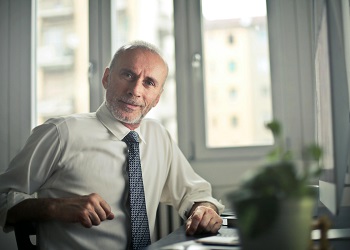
(131, 137)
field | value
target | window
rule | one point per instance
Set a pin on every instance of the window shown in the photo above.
(235, 60)
(290, 65)
(200, 90)
(232, 66)
(247, 23)
(233, 94)
(61, 58)
(231, 39)
(234, 121)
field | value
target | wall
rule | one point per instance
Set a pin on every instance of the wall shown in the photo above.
(15, 77)
(15, 112)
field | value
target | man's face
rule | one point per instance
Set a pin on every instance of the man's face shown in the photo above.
(134, 85)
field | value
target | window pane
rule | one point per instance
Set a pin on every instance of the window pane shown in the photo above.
(151, 21)
(62, 58)
(237, 73)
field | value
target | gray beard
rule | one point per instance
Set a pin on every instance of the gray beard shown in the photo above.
(118, 116)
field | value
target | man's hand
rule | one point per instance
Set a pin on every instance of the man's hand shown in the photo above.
(89, 210)
(203, 219)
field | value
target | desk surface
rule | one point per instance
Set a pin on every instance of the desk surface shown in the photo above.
(179, 240)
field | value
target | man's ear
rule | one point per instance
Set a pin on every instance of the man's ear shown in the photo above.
(105, 78)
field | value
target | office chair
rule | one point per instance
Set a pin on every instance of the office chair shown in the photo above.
(23, 231)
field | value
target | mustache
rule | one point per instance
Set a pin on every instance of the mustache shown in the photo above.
(132, 101)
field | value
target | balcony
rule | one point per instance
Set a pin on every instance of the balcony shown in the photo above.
(52, 58)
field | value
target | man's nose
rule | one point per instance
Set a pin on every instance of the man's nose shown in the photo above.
(136, 87)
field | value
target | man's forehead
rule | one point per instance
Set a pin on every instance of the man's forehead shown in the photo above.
(139, 53)
(132, 59)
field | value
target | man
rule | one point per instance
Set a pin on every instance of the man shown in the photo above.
(77, 166)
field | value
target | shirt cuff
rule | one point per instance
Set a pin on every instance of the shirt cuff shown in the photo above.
(187, 206)
(7, 201)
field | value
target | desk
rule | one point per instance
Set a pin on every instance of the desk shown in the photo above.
(179, 240)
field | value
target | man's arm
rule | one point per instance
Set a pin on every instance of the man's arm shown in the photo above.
(203, 218)
(87, 210)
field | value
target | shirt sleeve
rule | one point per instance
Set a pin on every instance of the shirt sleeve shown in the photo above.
(29, 169)
(184, 187)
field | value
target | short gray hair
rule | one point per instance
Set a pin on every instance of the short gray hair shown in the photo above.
(136, 45)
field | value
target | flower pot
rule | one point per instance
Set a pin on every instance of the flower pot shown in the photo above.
(268, 223)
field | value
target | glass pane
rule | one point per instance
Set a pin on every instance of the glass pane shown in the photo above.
(236, 72)
(151, 21)
(62, 58)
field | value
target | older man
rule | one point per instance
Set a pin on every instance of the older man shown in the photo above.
(79, 167)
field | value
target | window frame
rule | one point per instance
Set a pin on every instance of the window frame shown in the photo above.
(291, 74)
(291, 63)
(99, 48)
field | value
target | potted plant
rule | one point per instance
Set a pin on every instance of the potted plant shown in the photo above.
(274, 205)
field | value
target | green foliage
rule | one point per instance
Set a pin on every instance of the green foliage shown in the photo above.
(281, 178)
(256, 201)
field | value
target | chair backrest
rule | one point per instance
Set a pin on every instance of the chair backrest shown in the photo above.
(23, 231)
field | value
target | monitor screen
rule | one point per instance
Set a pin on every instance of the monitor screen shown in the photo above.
(332, 104)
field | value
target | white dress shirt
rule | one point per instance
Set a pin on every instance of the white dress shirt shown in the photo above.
(84, 153)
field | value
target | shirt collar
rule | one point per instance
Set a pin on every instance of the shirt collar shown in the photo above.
(113, 125)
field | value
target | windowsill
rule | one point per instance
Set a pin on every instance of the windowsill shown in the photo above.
(224, 173)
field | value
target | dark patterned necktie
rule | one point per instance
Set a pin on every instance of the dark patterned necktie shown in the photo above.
(138, 213)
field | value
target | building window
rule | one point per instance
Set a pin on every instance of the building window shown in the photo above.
(233, 94)
(232, 66)
(234, 121)
(231, 39)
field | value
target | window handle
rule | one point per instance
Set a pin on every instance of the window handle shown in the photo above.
(91, 69)
(91, 72)
(196, 60)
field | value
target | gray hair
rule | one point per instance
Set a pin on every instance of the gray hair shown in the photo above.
(136, 45)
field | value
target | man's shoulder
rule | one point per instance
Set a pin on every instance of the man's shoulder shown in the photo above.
(75, 123)
(151, 123)
(71, 119)
(153, 127)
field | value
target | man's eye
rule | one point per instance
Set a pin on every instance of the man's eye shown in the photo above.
(127, 75)
(151, 83)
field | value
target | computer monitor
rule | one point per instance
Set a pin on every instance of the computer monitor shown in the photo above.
(332, 101)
